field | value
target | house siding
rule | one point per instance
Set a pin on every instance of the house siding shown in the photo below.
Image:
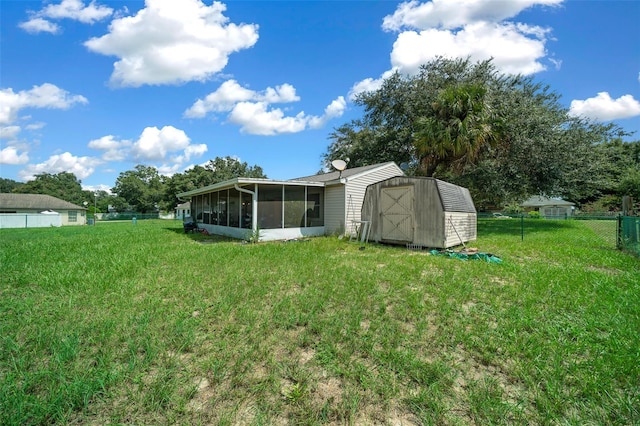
(334, 209)
(356, 187)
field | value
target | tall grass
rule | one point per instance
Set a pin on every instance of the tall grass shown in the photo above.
(123, 323)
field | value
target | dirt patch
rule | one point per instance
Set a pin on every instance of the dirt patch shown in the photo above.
(328, 390)
(471, 370)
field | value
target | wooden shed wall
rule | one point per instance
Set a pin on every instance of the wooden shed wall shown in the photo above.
(432, 225)
(459, 226)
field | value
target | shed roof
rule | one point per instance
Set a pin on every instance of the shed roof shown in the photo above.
(540, 201)
(455, 198)
(35, 202)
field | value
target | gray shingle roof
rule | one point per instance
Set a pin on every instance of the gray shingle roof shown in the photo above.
(35, 202)
(540, 201)
(327, 177)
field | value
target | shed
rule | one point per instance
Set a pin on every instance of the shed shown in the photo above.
(421, 211)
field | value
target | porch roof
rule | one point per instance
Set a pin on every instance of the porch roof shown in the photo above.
(240, 181)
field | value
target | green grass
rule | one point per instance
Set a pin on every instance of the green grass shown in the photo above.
(142, 324)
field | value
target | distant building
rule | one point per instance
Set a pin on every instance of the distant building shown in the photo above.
(549, 208)
(183, 210)
(14, 205)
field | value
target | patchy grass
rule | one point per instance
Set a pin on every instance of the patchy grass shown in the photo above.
(142, 324)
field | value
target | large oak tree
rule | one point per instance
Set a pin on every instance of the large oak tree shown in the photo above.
(505, 137)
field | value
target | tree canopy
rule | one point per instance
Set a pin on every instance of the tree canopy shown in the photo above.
(504, 137)
(64, 185)
(144, 190)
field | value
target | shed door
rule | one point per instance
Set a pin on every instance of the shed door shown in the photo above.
(396, 205)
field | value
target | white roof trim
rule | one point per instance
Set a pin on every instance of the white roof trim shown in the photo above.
(244, 181)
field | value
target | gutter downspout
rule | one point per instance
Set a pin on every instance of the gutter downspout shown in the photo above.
(254, 206)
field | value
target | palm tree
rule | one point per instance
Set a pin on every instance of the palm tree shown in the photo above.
(461, 126)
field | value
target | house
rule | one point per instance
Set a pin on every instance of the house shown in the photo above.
(421, 211)
(37, 210)
(549, 208)
(322, 204)
(183, 210)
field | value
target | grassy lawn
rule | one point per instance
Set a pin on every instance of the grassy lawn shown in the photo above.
(142, 324)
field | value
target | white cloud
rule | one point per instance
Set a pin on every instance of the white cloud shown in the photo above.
(114, 150)
(257, 119)
(603, 108)
(478, 29)
(39, 25)
(77, 11)
(369, 84)
(166, 144)
(512, 51)
(66, 9)
(170, 42)
(12, 155)
(34, 126)
(82, 167)
(154, 143)
(252, 110)
(44, 96)
(333, 110)
(230, 93)
(450, 14)
(100, 187)
(9, 132)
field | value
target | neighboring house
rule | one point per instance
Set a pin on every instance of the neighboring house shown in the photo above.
(16, 206)
(549, 208)
(322, 204)
(422, 211)
(183, 210)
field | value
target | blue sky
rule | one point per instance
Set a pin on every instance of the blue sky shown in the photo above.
(96, 87)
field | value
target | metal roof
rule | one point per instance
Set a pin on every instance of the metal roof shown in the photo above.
(455, 198)
(35, 202)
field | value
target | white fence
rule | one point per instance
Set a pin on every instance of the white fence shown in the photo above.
(29, 220)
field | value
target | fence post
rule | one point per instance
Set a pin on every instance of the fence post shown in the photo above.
(619, 232)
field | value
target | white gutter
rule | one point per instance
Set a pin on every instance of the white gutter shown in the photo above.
(254, 206)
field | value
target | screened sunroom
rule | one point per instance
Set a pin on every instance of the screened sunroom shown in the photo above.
(243, 206)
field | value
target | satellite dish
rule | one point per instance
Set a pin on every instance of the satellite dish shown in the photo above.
(339, 164)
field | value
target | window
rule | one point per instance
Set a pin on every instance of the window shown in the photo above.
(197, 208)
(214, 208)
(222, 208)
(294, 206)
(315, 215)
(73, 216)
(234, 208)
(270, 206)
(246, 210)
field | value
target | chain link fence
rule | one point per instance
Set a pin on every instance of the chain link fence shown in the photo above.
(605, 231)
(629, 234)
(106, 217)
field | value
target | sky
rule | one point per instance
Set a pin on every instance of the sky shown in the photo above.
(97, 87)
